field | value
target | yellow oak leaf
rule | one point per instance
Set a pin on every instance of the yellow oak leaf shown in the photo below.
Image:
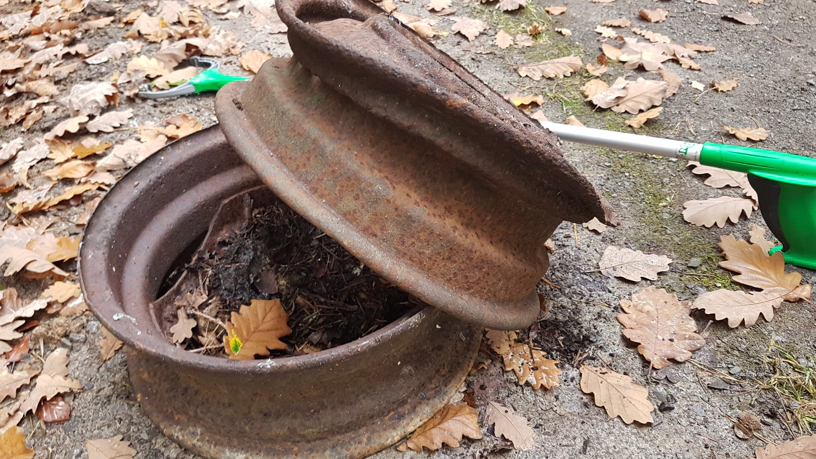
(531, 367)
(13, 445)
(256, 329)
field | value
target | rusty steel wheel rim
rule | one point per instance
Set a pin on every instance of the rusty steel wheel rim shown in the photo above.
(349, 401)
(408, 160)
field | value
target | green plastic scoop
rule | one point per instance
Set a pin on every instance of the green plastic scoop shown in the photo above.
(785, 183)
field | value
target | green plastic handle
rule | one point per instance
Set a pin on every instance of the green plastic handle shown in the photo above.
(772, 165)
(212, 80)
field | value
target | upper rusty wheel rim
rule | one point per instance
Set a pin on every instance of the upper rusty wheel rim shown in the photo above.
(457, 224)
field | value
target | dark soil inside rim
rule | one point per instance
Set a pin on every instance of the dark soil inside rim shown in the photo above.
(272, 252)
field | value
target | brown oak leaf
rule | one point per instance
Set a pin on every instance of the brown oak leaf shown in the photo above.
(22, 258)
(256, 329)
(594, 87)
(71, 125)
(109, 121)
(739, 307)
(510, 425)
(617, 394)
(725, 85)
(620, 22)
(470, 28)
(108, 345)
(439, 5)
(637, 122)
(89, 99)
(661, 325)
(801, 448)
(755, 134)
(573, 121)
(530, 366)
(717, 211)
(757, 236)
(555, 10)
(10, 382)
(743, 18)
(700, 48)
(56, 364)
(13, 445)
(606, 32)
(447, 427)
(611, 52)
(183, 329)
(511, 5)
(657, 15)
(503, 39)
(47, 387)
(595, 225)
(632, 96)
(109, 448)
(500, 341)
(554, 68)
(253, 60)
(632, 265)
(759, 270)
(653, 37)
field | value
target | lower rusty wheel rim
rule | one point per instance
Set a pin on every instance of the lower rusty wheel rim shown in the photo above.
(348, 401)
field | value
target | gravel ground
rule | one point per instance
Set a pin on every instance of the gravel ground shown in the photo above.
(776, 66)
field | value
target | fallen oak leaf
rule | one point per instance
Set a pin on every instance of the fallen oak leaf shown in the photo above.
(470, 28)
(70, 170)
(511, 5)
(595, 225)
(717, 211)
(739, 307)
(593, 87)
(109, 121)
(151, 66)
(597, 70)
(759, 270)
(657, 15)
(46, 203)
(620, 22)
(108, 345)
(801, 448)
(725, 85)
(637, 122)
(606, 32)
(13, 445)
(573, 121)
(500, 341)
(503, 39)
(518, 100)
(660, 323)
(22, 258)
(718, 178)
(89, 99)
(530, 366)
(256, 329)
(253, 60)
(47, 387)
(447, 427)
(563, 31)
(687, 63)
(10, 382)
(700, 48)
(632, 265)
(183, 329)
(439, 5)
(71, 125)
(510, 425)
(743, 18)
(56, 364)
(632, 96)
(555, 10)
(617, 394)
(181, 126)
(755, 134)
(611, 52)
(653, 37)
(757, 236)
(554, 68)
(109, 448)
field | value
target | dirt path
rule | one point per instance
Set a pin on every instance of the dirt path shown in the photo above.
(776, 66)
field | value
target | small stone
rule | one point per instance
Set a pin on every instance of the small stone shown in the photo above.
(695, 262)
(65, 342)
(718, 384)
(77, 337)
(735, 370)
(674, 377)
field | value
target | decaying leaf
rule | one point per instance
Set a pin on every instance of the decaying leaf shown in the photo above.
(700, 48)
(563, 31)
(739, 307)
(726, 85)
(611, 52)
(13, 445)
(500, 341)
(510, 425)
(596, 70)
(511, 5)
(71, 125)
(554, 68)
(801, 448)
(632, 96)
(181, 126)
(717, 211)
(109, 121)
(594, 87)
(256, 329)
(10, 382)
(89, 99)
(653, 37)
(757, 236)
(617, 394)
(555, 10)
(439, 5)
(503, 39)
(70, 170)
(108, 345)
(759, 270)
(632, 265)
(620, 22)
(657, 15)
(56, 364)
(109, 448)
(595, 225)
(743, 18)
(687, 63)
(573, 121)
(755, 134)
(470, 28)
(151, 66)
(606, 32)
(447, 427)
(637, 122)
(20, 258)
(531, 367)
(183, 329)
(253, 60)
(661, 325)
(47, 387)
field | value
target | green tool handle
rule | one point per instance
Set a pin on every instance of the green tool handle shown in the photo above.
(771, 165)
(212, 80)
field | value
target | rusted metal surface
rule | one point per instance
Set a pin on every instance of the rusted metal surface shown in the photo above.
(349, 401)
(407, 159)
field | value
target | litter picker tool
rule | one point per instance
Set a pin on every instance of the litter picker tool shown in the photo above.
(208, 80)
(785, 183)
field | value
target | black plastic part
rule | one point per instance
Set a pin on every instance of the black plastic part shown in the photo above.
(768, 192)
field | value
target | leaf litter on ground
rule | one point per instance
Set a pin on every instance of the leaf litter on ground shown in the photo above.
(617, 394)
(447, 427)
(632, 265)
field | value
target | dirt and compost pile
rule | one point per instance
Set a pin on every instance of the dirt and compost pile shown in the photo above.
(272, 252)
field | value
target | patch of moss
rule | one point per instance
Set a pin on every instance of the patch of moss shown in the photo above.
(512, 22)
(793, 382)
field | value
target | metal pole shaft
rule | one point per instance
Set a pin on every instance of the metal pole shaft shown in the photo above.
(626, 142)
